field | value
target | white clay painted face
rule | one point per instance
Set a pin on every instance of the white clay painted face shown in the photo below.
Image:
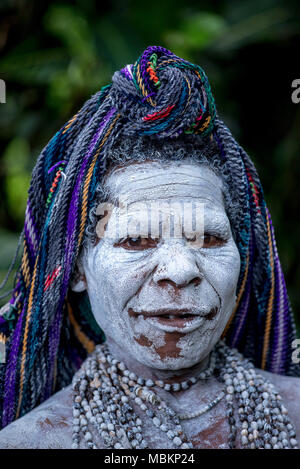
(165, 300)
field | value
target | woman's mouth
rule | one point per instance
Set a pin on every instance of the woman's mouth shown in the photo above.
(187, 319)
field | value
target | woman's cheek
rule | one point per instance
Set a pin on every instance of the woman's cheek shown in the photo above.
(222, 267)
(117, 273)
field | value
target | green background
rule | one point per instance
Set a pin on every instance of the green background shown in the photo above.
(54, 55)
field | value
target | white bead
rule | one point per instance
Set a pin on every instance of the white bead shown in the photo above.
(184, 385)
(149, 383)
(156, 421)
(177, 441)
(133, 376)
(159, 383)
(134, 443)
(184, 446)
(176, 386)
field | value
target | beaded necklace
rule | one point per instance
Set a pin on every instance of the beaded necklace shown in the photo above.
(104, 391)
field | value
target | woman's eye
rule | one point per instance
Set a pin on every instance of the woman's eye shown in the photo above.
(137, 244)
(208, 241)
(211, 241)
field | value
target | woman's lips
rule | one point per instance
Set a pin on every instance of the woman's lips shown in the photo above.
(179, 318)
(179, 321)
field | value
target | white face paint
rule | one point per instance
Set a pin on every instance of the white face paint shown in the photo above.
(165, 302)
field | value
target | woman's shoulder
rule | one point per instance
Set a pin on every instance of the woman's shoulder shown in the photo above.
(287, 386)
(289, 389)
(47, 426)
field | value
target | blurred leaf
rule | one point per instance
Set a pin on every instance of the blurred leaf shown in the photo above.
(197, 31)
(72, 28)
(17, 187)
(16, 160)
(262, 26)
(36, 67)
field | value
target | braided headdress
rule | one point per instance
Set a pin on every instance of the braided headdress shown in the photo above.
(47, 333)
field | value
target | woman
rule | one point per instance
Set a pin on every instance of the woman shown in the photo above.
(148, 147)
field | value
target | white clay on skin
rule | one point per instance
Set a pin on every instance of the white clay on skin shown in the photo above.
(119, 279)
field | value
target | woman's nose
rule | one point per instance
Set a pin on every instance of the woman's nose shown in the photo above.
(177, 267)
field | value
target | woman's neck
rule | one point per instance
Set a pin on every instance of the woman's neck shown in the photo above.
(144, 371)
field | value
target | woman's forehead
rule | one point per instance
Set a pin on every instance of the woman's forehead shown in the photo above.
(150, 181)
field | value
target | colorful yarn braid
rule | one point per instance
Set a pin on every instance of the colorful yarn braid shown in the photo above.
(48, 329)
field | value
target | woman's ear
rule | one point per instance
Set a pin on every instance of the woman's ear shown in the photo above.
(78, 280)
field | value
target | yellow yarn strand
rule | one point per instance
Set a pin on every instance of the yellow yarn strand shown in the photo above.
(88, 344)
(270, 303)
(3, 338)
(68, 125)
(23, 357)
(25, 265)
(141, 85)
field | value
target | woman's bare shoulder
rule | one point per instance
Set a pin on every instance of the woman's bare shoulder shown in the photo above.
(47, 426)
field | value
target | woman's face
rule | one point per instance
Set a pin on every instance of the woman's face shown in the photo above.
(162, 278)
